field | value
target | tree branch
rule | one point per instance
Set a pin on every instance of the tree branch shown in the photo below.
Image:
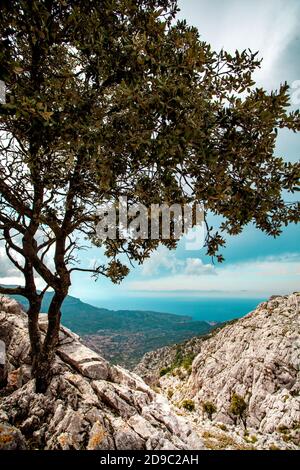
(13, 291)
(18, 205)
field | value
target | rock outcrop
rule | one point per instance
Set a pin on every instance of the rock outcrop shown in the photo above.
(11, 438)
(257, 359)
(89, 404)
(156, 363)
(253, 364)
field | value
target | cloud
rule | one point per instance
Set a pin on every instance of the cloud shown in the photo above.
(266, 26)
(164, 261)
(196, 267)
(263, 277)
(10, 275)
(7, 270)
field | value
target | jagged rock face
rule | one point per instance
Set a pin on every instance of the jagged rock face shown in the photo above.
(93, 405)
(11, 438)
(258, 357)
(153, 362)
(89, 404)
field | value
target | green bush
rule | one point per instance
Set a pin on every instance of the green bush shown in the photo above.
(189, 405)
(250, 439)
(223, 427)
(273, 447)
(181, 360)
(187, 361)
(238, 409)
(283, 429)
(164, 371)
(209, 409)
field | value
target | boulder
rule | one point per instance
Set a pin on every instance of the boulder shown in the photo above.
(11, 438)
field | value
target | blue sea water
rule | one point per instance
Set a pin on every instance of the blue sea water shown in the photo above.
(207, 309)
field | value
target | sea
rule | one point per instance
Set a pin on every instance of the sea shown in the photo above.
(201, 309)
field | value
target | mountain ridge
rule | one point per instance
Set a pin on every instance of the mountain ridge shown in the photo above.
(124, 336)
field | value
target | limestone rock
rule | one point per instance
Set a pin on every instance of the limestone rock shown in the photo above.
(89, 404)
(93, 405)
(85, 361)
(11, 438)
(258, 358)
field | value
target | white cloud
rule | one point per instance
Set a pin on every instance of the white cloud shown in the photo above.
(7, 270)
(266, 26)
(10, 275)
(264, 277)
(165, 261)
(196, 267)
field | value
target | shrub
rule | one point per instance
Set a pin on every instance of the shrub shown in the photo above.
(164, 371)
(283, 429)
(238, 409)
(181, 360)
(223, 427)
(273, 447)
(189, 405)
(250, 439)
(209, 409)
(187, 362)
(179, 373)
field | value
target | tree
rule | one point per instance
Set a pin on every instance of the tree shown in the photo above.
(209, 409)
(113, 98)
(238, 409)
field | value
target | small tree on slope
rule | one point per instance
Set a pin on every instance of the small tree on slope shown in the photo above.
(115, 98)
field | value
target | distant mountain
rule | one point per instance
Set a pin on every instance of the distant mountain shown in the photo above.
(124, 336)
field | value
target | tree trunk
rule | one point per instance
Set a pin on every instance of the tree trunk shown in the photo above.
(42, 366)
(244, 421)
(35, 336)
(42, 369)
(33, 327)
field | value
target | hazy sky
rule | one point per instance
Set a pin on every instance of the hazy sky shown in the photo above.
(255, 264)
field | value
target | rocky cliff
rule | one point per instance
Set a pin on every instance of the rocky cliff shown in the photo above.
(242, 390)
(157, 363)
(248, 371)
(89, 404)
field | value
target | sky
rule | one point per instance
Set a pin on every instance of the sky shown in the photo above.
(255, 265)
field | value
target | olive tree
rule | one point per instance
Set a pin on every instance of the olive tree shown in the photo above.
(117, 98)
